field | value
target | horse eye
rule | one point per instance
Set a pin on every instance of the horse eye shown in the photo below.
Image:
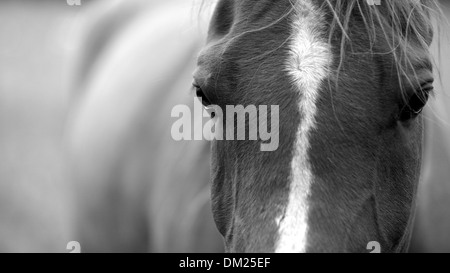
(416, 102)
(201, 95)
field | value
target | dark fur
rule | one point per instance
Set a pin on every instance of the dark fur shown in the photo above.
(366, 163)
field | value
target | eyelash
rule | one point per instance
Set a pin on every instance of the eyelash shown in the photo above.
(199, 93)
(416, 103)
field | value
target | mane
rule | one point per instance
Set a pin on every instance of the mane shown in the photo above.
(402, 24)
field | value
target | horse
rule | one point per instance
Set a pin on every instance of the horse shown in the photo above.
(350, 79)
(109, 142)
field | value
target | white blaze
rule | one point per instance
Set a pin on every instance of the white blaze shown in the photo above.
(308, 66)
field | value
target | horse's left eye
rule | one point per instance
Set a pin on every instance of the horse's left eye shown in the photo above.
(204, 99)
(416, 102)
(201, 95)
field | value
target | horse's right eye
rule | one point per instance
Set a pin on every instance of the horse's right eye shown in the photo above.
(416, 102)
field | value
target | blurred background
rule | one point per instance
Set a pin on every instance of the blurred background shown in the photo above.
(86, 155)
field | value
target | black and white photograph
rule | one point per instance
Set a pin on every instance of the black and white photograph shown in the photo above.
(224, 126)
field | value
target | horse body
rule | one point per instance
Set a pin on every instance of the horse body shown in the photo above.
(140, 190)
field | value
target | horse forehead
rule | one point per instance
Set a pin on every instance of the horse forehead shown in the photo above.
(252, 6)
(270, 10)
(249, 7)
(240, 27)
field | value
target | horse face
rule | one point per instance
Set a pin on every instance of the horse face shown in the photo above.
(347, 163)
